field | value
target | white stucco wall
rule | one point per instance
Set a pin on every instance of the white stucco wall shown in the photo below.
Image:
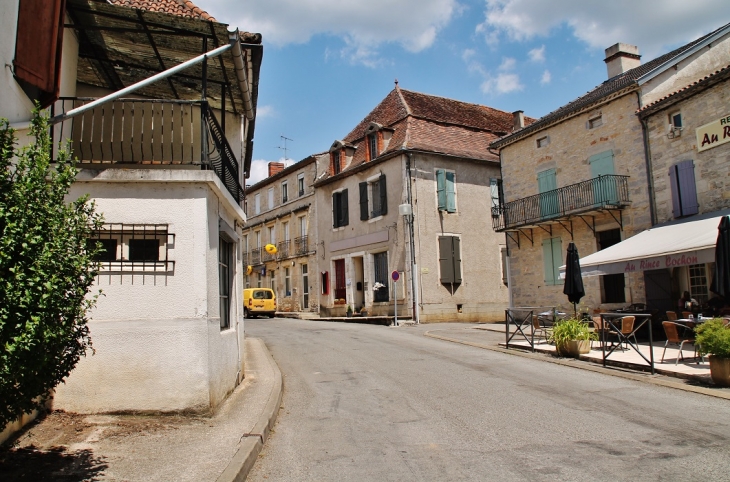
(158, 342)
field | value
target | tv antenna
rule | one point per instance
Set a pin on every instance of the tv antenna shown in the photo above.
(285, 149)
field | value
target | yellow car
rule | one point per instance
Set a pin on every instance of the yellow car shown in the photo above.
(259, 301)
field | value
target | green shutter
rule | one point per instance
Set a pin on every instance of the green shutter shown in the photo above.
(557, 259)
(335, 217)
(441, 189)
(363, 201)
(450, 193)
(547, 259)
(604, 190)
(383, 196)
(345, 209)
(457, 259)
(446, 263)
(546, 184)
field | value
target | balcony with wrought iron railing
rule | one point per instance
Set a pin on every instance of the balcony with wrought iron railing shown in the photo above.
(266, 256)
(301, 245)
(602, 193)
(255, 256)
(148, 132)
(283, 248)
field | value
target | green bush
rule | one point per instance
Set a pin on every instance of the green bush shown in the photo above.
(569, 330)
(46, 271)
(713, 337)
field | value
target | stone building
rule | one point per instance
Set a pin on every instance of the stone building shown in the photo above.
(581, 174)
(408, 191)
(281, 211)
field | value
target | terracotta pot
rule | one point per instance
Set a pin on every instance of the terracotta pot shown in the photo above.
(574, 348)
(720, 370)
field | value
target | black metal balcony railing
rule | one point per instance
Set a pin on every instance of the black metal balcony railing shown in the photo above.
(283, 249)
(149, 132)
(301, 245)
(266, 256)
(256, 256)
(609, 191)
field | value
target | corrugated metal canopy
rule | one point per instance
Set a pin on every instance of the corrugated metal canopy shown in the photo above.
(119, 46)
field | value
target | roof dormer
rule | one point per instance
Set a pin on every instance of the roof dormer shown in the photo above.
(340, 157)
(377, 138)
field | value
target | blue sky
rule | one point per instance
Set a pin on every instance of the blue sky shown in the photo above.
(327, 63)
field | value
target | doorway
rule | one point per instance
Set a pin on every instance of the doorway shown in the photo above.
(359, 292)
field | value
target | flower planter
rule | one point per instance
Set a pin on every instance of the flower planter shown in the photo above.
(573, 348)
(720, 370)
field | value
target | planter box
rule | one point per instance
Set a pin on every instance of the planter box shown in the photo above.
(574, 348)
(720, 371)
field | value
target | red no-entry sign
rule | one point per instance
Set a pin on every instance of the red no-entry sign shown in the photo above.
(395, 275)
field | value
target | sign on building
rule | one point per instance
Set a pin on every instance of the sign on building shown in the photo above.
(713, 134)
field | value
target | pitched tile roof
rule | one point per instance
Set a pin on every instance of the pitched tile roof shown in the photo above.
(626, 81)
(182, 8)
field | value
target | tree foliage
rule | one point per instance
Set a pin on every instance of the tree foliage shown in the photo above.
(46, 270)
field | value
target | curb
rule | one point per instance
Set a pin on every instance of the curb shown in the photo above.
(582, 365)
(241, 464)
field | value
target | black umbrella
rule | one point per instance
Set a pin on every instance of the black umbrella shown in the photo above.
(573, 279)
(721, 277)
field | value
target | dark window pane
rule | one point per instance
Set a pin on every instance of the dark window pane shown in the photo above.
(380, 260)
(144, 249)
(108, 249)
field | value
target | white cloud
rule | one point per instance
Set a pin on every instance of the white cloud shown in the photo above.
(537, 55)
(468, 54)
(260, 169)
(503, 83)
(264, 111)
(414, 24)
(507, 64)
(652, 26)
(546, 77)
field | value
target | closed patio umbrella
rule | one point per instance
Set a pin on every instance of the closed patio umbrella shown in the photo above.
(721, 277)
(573, 279)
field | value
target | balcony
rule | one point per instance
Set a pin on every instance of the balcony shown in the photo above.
(256, 256)
(603, 193)
(283, 249)
(301, 245)
(149, 133)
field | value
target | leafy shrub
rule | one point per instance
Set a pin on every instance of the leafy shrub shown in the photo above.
(569, 330)
(46, 271)
(713, 337)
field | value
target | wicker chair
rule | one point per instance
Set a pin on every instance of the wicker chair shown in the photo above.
(686, 314)
(672, 315)
(599, 328)
(672, 331)
(539, 330)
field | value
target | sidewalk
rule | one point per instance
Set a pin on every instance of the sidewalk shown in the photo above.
(221, 447)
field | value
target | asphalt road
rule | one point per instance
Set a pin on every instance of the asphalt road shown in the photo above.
(365, 402)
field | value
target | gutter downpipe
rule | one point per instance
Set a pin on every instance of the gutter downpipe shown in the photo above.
(647, 160)
(142, 83)
(238, 61)
(414, 266)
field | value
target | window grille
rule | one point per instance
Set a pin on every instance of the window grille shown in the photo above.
(133, 248)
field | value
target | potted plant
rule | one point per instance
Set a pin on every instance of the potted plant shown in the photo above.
(713, 337)
(349, 311)
(363, 311)
(572, 337)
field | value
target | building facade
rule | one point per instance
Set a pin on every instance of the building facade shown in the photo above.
(400, 209)
(281, 211)
(160, 166)
(581, 174)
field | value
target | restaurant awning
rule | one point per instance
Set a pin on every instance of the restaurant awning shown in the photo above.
(670, 246)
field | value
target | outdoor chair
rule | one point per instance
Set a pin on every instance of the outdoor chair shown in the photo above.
(672, 330)
(686, 314)
(598, 328)
(627, 326)
(672, 315)
(539, 330)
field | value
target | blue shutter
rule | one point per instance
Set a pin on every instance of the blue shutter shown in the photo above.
(676, 206)
(687, 187)
(441, 189)
(450, 193)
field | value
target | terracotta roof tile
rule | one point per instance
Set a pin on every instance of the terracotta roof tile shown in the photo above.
(182, 8)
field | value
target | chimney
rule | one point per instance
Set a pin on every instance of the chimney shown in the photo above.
(518, 117)
(275, 168)
(620, 58)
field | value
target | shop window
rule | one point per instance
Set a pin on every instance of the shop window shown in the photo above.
(446, 190)
(340, 282)
(552, 258)
(698, 283)
(380, 265)
(450, 260)
(684, 189)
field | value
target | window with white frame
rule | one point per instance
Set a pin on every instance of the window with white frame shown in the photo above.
(373, 198)
(495, 190)
(698, 283)
(284, 192)
(272, 235)
(271, 198)
(287, 281)
(302, 225)
(340, 214)
(675, 120)
(300, 184)
(257, 203)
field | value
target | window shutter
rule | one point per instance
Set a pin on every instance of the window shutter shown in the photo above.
(441, 189)
(450, 193)
(383, 196)
(676, 207)
(547, 259)
(363, 201)
(344, 207)
(687, 187)
(335, 211)
(557, 258)
(38, 46)
(457, 259)
(446, 264)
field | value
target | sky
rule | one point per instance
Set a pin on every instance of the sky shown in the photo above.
(328, 63)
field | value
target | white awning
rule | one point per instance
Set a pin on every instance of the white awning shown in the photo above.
(670, 246)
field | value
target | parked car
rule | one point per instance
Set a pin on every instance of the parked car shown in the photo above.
(259, 301)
